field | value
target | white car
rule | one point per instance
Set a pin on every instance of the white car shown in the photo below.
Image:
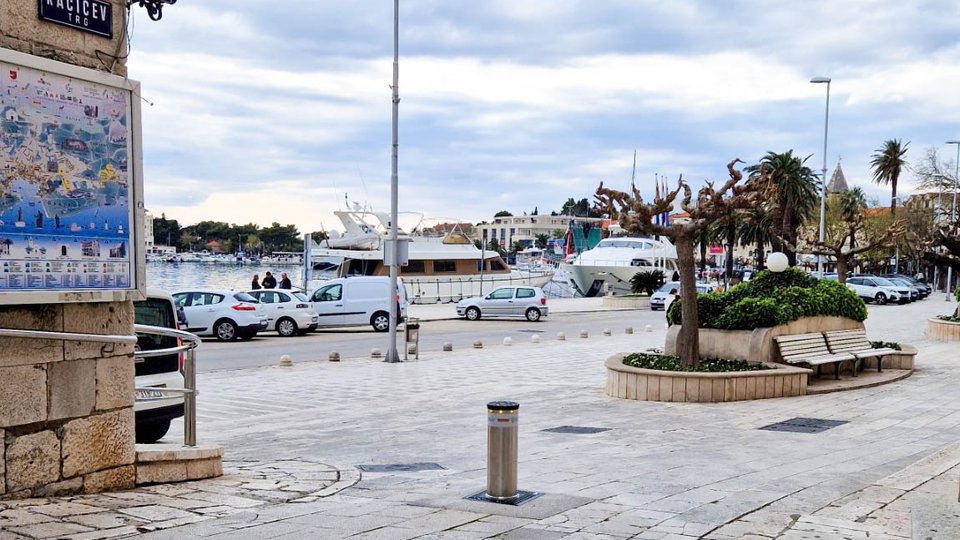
(528, 302)
(224, 314)
(659, 298)
(288, 312)
(872, 289)
(154, 410)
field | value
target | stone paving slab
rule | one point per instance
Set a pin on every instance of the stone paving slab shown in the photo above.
(244, 485)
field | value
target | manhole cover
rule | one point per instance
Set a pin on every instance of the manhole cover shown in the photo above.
(804, 425)
(522, 497)
(577, 430)
(401, 467)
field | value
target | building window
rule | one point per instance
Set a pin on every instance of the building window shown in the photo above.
(414, 267)
(444, 266)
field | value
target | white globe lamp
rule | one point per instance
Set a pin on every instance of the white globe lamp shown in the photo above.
(777, 262)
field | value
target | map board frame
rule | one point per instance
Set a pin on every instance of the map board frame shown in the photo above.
(97, 226)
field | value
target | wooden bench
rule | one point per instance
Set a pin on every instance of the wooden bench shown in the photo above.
(855, 342)
(811, 349)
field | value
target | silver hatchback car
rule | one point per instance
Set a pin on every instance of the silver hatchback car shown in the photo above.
(528, 302)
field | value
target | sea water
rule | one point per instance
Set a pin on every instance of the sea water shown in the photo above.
(179, 276)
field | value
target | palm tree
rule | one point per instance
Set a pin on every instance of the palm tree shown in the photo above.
(887, 165)
(797, 196)
(852, 202)
(756, 230)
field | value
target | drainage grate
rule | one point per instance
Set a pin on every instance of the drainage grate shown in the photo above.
(804, 425)
(577, 430)
(522, 497)
(402, 467)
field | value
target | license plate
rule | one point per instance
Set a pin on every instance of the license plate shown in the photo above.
(149, 394)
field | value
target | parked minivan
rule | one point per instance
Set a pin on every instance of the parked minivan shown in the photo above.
(358, 301)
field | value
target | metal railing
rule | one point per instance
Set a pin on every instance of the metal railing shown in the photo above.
(189, 390)
(191, 342)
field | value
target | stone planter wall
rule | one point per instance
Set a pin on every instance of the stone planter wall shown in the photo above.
(626, 302)
(756, 345)
(654, 385)
(941, 330)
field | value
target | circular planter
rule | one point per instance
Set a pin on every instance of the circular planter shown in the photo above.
(626, 302)
(941, 330)
(679, 386)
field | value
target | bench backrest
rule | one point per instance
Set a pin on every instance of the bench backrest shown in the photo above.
(793, 348)
(847, 340)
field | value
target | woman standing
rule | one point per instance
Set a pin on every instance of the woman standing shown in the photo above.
(256, 282)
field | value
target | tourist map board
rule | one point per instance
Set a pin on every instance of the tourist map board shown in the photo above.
(67, 205)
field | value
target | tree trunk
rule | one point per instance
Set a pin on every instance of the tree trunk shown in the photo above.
(703, 256)
(841, 268)
(789, 229)
(893, 197)
(731, 242)
(760, 256)
(688, 340)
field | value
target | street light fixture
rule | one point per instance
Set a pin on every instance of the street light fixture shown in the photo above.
(823, 178)
(953, 212)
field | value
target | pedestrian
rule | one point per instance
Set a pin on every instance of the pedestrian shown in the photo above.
(269, 282)
(676, 276)
(256, 282)
(285, 281)
(669, 300)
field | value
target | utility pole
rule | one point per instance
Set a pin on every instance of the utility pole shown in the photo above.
(392, 355)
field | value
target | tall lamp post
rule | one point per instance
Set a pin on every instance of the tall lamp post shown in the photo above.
(953, 212)
(823, 178)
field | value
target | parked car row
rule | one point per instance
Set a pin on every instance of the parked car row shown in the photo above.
(893, 288)
(228, 315)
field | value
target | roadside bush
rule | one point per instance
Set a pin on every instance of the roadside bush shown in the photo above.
(646, 281)
(771, 299)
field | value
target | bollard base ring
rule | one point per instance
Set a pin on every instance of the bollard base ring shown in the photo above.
(518, 499)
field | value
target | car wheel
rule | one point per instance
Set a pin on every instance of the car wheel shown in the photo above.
(225, 330)
(880, 298)
(473, 313)
(151, 432)
(533, 314)
(286, 327)
(380, 321)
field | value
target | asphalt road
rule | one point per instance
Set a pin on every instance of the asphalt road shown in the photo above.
(267, 348)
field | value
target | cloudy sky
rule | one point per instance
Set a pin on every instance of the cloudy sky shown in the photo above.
(279, 111)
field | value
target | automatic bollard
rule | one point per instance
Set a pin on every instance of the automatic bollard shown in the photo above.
(502, 429)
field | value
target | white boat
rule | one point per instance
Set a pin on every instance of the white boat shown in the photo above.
(439, 268)
(609, 266)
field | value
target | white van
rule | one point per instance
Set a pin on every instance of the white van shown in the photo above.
(358, 301)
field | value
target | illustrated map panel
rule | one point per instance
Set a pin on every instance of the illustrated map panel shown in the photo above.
(65, 205)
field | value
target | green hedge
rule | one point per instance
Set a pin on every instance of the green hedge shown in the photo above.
(772, 299)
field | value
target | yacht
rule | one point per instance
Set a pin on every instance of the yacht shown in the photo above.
(609, 266)
(440, 268)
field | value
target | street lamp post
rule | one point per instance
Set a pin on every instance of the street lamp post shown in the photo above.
(953, 211)
(823, 178)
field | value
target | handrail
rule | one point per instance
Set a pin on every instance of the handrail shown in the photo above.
(191, 342)
(66, 336)
(189, 390)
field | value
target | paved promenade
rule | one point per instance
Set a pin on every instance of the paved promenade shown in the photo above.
(659, 471)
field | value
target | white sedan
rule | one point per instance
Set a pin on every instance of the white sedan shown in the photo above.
(223, 314)
(288, 312)
(528, 302)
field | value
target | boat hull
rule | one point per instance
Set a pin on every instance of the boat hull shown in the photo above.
(434, 290)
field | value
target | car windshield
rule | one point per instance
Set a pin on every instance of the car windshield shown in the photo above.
(244, 297)
(302, 297)
(883, 282)
(667, 286)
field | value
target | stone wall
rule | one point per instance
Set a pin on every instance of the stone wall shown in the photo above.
(22, 30)
(66, 408)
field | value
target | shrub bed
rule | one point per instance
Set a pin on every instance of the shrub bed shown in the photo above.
(772, 299)
(667, 362)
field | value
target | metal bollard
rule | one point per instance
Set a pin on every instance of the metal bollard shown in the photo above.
(502, 429)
